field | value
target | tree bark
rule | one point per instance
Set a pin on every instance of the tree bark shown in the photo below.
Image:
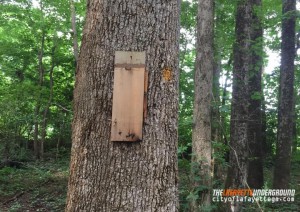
(238, 159)
(255, 173)
(286, 92)
(201, 138)
(117, 176)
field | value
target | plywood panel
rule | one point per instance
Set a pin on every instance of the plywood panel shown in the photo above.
(128, 102)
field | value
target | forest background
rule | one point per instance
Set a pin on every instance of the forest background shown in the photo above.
(39, 45)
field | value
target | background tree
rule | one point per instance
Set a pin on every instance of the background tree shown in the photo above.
(255, 173)
(141, 176)
(201, 166)
(223, 42)
(238, 170)
(74, 30)
(286, 96)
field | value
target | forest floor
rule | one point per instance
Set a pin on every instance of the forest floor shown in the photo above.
(42, 186)
(37, 186)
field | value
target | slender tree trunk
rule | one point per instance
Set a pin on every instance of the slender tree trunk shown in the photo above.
(294, 141)
(74, 31)
(238, 170)
(286, 92)
(215, 127)
(218, 119)
(36, 132)
(36, 145)
(255, 173)
(223, 105)
(123, 176)
(266, 147)
(59, 139)
(201, 138)
(46, 111)
(223, 121)
(216, 102)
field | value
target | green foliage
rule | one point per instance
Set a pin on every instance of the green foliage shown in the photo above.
(24, 27)
(256, 96)
(271, 102)
(220, 150)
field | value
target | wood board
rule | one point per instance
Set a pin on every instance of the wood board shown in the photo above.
(128, 98)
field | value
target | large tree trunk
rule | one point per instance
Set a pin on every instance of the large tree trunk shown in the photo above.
(124, 176)
(238, 170)
(255, 174)
(201, 138)
(286, 92)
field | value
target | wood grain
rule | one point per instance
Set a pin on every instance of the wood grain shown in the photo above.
(128, 104)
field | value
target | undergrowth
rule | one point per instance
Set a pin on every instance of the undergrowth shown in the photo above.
(186, 195)
(42, 186)
(37, 186)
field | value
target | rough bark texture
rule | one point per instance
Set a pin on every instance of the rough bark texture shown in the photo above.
(238, 170)
(118, 176)
(255, 173)
(286, 92)
(201, 138)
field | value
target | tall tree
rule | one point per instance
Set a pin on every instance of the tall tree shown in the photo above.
(223, 42)
(41, 70)
(238, 161)
(201, 138)
(286, 95)
(255, 174)
(47, 107)
(118, 176)
(74, 30)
